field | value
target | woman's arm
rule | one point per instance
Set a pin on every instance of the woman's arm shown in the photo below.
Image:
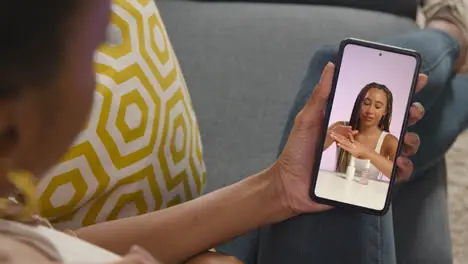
(344, 130)
(382, 163)
(177, 233)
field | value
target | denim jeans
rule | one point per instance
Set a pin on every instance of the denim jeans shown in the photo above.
(416, 228)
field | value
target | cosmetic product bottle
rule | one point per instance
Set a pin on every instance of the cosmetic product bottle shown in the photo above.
(364, 179)
(351, 169)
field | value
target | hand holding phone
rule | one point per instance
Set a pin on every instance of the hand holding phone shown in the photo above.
(293, 170)
(365, 122)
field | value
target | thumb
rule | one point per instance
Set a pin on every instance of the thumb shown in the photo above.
(302, 141)
(312, 112)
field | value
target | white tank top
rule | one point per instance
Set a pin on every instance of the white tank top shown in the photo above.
(374, 173)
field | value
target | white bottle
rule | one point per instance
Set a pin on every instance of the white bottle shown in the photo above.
(351, 169)
(364, 180)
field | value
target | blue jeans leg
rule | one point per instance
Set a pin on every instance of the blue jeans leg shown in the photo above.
(339, 236)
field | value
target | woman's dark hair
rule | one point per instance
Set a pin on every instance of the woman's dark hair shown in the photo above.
(354, 121)
(32, 39)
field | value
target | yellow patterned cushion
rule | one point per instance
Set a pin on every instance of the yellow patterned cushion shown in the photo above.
(141, 150)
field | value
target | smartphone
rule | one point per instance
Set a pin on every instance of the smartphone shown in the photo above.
(365, 121)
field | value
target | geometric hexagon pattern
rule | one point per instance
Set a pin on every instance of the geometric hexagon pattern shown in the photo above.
(141, 149)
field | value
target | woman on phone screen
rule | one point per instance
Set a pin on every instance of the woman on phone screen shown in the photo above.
(365, 137)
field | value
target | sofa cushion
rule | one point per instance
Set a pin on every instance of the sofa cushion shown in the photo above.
(141, 149)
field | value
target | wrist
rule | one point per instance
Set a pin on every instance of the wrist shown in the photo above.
(369, 155)
(274, 196)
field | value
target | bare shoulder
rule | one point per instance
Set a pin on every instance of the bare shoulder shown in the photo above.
(390, 139)
(14, 252)
(390, 143)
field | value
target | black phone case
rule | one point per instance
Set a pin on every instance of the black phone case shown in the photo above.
(318, 154)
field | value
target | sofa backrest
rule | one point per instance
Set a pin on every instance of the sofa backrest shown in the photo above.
(405, 8)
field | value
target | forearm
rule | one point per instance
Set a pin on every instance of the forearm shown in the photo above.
(177, 233)
(383, 164)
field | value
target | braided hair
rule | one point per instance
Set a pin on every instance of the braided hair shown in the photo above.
(354, 121)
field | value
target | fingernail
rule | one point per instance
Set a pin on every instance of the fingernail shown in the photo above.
(403, 162)
(134, 248)
(419, 106)
(324, 68)
(400, 163)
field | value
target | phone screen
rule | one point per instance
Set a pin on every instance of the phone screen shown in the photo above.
(365, 125)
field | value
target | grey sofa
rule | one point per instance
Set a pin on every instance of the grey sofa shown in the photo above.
(244, 62)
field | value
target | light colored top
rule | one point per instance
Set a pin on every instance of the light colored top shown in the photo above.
(56, 245)
(361, 164)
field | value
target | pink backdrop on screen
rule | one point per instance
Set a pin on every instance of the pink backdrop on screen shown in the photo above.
(361, 66)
